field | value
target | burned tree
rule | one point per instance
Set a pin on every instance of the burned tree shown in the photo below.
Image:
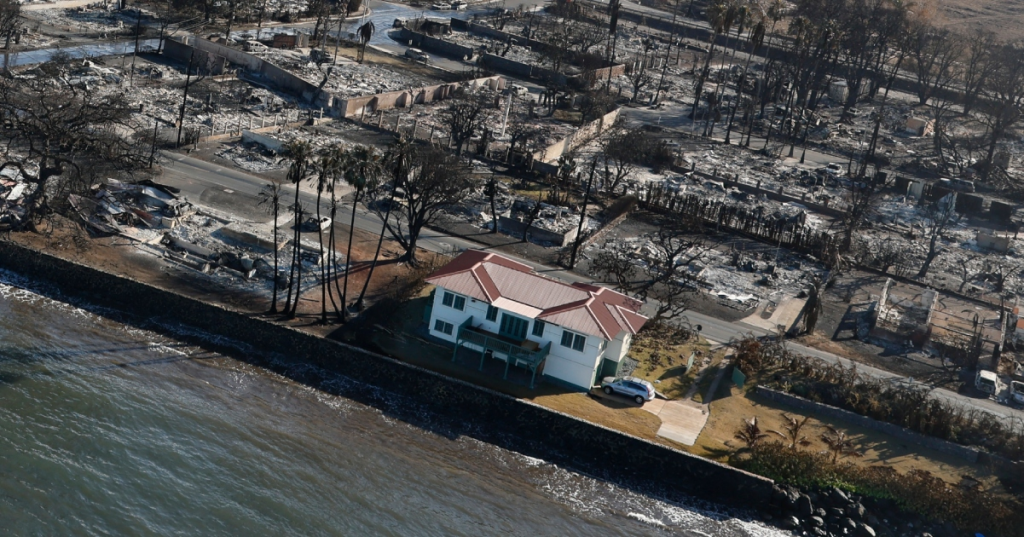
(464, 116)
(942, 216)
(435, 180)
(658, 273)
(61, 137)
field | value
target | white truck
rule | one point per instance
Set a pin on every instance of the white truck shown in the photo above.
(989, 382)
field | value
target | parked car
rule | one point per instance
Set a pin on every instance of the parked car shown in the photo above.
(1017, 392)
(639, 390)
(519, 91)
(459, 4)
(417, 54)
(988, 382)
(441, 6)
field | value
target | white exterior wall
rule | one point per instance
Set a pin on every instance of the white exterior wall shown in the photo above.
(565, 364)
(618, 347)
(451, 315)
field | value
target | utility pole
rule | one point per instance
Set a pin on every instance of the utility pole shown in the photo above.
(504, 119)
(613, 25)
(184, 97)
(138, 28)
(668, 54)
(583, 215)
(152, 149)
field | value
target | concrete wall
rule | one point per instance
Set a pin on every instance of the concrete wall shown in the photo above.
(355, 107)
(271, 74)
(268, 142)
(966, 453)
(515, 228)
(471, 410)
(436, 45)
(578, 137)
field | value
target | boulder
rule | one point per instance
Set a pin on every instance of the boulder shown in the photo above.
(817, 521)
(848, 523)
(791, 522)
(855, 511)
(863, 530)
(839, 497)
(821, 512)
(803, 506)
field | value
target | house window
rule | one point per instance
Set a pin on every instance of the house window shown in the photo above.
(443, 327)
(513, 326)
(454, 301)
(538, 328)
(573, 341)
(492, 313)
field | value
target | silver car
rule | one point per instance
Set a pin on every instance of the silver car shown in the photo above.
(639, 390)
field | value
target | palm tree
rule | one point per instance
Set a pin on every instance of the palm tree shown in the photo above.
(720, 18)
(756, 37)
(750, 433)
(301, 152)
(363, 168)
(397, 161)
(323, 180)
(793, 426)
(365, 33)
(839, 445)
(270, 199)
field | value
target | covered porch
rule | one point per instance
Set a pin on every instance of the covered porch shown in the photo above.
(526, 354)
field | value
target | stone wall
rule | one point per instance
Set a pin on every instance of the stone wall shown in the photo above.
(369, 104)
(437, 45)
(577, 138)
(490, 416)
(968, 454)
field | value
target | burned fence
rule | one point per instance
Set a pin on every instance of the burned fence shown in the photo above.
(786, 230)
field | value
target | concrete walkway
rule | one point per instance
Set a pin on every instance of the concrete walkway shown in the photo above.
(683, 419)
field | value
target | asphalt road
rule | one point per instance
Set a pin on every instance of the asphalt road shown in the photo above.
(195, 177)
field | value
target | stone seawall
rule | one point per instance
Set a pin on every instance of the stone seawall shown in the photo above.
(495, 418)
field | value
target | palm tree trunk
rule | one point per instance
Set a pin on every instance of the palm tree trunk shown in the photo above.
(348, 256)
(324, 267)
(273, 300)
(376, 254)
(296, 258)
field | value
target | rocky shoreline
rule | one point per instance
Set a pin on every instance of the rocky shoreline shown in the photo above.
(835, 513)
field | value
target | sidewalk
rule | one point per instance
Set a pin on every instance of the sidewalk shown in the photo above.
(683, 419)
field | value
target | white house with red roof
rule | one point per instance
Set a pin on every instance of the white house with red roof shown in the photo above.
(574, 334)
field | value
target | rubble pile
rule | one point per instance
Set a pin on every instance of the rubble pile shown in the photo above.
(251, 157)
(93, 18)
(743, 278)
(12, 194)
(347, 78)
(169, 226)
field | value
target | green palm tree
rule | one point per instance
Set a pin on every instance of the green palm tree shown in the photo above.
(363, 168)
(270, 199)
(750, 433)
(839, 445)
(397, 161)
(324, 182)
(793, 428)
(301, 152)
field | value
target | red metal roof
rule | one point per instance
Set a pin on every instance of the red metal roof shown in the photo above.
(585, 308)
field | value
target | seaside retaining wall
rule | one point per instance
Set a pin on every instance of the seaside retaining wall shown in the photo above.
(966, 453)
(499, 419)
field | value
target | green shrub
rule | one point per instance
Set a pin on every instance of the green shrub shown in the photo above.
(916, 492)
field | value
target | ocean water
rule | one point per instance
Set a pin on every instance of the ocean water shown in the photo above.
(108, 429)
